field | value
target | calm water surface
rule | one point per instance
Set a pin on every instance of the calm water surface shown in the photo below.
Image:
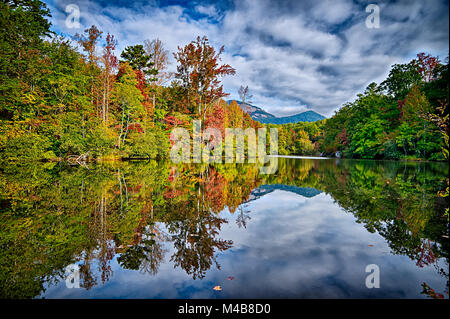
(155, 230)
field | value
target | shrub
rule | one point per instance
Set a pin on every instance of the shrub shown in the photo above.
(390, 150)
(30, 146)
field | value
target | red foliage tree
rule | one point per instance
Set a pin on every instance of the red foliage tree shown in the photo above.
(426, 64)
(214, 188)
(199, 71)
(216, 118)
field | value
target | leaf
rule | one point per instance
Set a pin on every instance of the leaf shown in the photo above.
(370, 245)
(217, 288)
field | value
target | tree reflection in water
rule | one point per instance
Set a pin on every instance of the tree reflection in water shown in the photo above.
(53, 216)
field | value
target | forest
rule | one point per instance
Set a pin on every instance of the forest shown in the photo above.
(58, 103)
(74, 99)
(404, 117)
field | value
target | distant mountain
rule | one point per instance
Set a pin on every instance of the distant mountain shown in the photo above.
(266, 189)
(258, 114)
(308, 116)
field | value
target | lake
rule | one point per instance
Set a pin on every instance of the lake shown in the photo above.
(141, 229)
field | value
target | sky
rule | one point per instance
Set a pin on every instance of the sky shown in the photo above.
(293, 55)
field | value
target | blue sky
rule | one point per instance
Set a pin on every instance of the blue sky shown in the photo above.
(293, 55)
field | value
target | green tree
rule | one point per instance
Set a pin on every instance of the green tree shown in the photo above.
(24, 24)
(368, 138)
(400, 80)
(138, 59)
(129, 100)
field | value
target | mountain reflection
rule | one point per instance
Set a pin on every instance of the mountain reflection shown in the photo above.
(55, 215)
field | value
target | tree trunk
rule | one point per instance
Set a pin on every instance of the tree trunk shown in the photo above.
(121, 127)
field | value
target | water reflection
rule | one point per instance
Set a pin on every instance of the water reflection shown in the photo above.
(143, 216)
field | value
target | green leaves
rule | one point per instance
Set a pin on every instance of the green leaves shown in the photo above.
(139, 59)
(400, 80)
(367, 138)
(393, 120)
(126, 94)
(27, 147)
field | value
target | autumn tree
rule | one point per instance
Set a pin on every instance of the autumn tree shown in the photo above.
(215, 117)
(233, 115)
(416, 115)
(303, 143)
(88, 41)
(199, 71)
(426, 65)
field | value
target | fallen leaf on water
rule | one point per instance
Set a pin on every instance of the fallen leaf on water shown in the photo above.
(218, 288)
(370, 245)
(230, 278)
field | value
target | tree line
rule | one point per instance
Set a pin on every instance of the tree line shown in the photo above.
(74, 98)
(404, 117)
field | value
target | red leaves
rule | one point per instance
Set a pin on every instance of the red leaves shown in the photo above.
(216, 118)
(343, 137)
(135, 127)
(142, 84)
(400, 105)
(109, 59)
(132, 127)
(172, 174)
(426, 255)
(214, 189)
(173, 121)
(172, 193)
(427, 290)
(199, 71)
(134, 189)
(426, 64)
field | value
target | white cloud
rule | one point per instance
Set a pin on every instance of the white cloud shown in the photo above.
(209, 10)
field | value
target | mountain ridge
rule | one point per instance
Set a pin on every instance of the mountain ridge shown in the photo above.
(258, 114)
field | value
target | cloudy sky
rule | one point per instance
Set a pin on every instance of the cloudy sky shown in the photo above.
(294, 55)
